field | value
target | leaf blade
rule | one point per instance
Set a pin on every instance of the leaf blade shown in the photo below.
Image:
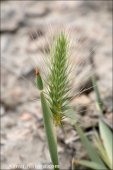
(91, 165)
(90, 149)
(50, 133)
(107, 138)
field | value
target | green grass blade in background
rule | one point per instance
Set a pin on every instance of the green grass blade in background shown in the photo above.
(50, 133)
(107, 138)
(98, 98)
(105, 132)
(90, 149)
(90, 164)
(101, 149)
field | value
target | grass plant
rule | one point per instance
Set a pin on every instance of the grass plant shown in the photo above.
(55, 107)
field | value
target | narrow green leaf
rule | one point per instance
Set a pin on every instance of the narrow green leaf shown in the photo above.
(91, 165)
(107, 138)
(101, 149)
(50, 131)
(90, 149)
(98, 98)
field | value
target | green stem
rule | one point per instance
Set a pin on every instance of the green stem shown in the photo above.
(50, 131)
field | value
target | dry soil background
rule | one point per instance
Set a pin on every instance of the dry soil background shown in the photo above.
(22, 132)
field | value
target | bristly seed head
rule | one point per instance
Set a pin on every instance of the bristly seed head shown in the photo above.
(58, 88)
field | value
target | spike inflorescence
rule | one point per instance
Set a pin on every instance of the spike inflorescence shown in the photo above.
(59, 79)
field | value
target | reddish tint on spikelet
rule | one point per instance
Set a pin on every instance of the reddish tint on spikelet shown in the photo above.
(37, 71)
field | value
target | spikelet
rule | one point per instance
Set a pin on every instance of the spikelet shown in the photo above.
(58, 88)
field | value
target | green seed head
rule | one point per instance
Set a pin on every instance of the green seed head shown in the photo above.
(59, 78)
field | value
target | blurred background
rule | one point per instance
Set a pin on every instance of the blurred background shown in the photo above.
(27, 28)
